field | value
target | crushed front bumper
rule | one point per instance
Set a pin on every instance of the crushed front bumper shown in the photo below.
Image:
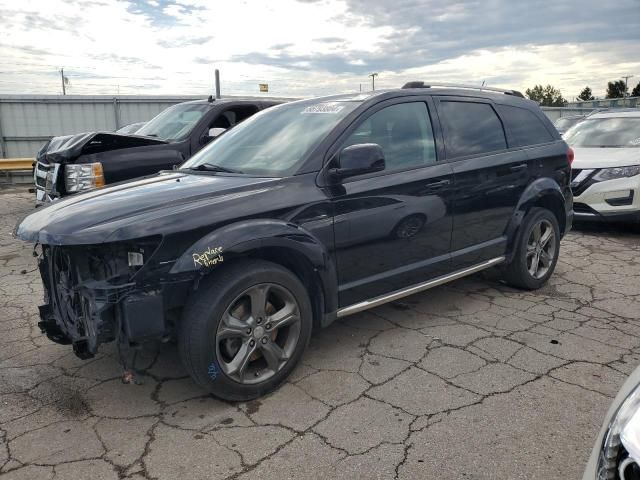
(86, 312)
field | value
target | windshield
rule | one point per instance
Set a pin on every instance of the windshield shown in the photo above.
(564, 123)
(605, 132)
(175, 122)
(274, 142)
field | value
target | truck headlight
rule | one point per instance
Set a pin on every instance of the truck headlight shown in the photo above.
(621, 446)
(83, 176)
(617, 172)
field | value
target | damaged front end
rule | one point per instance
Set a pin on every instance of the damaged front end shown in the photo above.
(67, 164)
(93, 295)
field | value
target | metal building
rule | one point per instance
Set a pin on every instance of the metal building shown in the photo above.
(27, 121)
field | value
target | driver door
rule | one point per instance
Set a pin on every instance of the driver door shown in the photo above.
(393, 228)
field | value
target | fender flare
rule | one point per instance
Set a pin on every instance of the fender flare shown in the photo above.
(535, 192)
(244, 237)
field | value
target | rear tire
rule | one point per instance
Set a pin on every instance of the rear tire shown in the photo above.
(245, 329)
(536, 251)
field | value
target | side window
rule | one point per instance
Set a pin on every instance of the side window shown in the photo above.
(471, 128)
(525, 127)
(403, 131)
(231, 117)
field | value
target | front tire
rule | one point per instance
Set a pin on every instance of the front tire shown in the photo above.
(245, 329)
(536, 251)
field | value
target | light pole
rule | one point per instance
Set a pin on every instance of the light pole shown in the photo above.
(62, 78)
(626, 88)
(373, 80)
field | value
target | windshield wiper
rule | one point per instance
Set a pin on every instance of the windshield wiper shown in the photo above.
(210, 167)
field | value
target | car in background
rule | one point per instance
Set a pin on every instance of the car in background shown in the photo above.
(565, 123)
(616, 452)
(78, 163)
(131, 128)
(606, 170)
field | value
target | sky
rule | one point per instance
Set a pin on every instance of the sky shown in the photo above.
(313, 47)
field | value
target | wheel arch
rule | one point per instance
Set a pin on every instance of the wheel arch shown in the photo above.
(283, 243)
(543, 193)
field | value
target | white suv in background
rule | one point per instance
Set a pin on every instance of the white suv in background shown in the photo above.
(606, 170)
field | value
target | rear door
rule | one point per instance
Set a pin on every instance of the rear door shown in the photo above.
(393, 228)
(489, 178)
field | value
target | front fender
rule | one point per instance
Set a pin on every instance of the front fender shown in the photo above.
(539, 192)
(241, 237)
(244, 237)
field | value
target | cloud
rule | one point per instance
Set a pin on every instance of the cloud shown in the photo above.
(184, 41)
(330, 40)
(313, 47)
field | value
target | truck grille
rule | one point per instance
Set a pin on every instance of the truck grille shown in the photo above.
(45, 178)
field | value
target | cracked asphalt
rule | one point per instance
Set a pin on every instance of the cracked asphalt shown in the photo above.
(473, 379)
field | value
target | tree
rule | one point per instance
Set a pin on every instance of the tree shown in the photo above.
(636, 91)
(548, 96)
(616, 89)
(586, 94)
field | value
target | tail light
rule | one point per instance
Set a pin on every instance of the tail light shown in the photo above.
(570, 155)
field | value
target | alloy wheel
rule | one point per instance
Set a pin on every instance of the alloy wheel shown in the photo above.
(258, 333)
(541, 249)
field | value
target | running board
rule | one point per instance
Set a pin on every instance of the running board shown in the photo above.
(390, 297)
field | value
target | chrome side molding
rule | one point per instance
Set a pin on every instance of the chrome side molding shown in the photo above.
(390, 297)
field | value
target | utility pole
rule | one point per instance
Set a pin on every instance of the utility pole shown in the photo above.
(64, 90)
(373, 80)
(361, 87)
(217, 83)
(626, 88)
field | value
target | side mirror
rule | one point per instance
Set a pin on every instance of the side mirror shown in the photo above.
(216, 132)
(359, 159)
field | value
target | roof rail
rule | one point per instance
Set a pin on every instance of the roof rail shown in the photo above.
(597, 110)
(420, 84)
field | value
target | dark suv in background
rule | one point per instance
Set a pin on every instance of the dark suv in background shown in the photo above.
(304, 213)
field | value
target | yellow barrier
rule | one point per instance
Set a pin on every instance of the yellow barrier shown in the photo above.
(15, 164)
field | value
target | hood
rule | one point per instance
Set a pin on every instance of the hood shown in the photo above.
(165, 203)
(605, 157)
(70, 147)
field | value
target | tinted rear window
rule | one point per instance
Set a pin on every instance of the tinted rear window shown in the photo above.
(471, 128)
(525, 127)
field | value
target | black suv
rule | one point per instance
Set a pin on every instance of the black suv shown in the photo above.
(78, 163)
(306, 212)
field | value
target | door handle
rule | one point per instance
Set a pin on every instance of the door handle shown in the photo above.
(518, 168)
(438, 185)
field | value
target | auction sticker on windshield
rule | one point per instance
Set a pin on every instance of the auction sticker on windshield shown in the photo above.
(323, 108)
